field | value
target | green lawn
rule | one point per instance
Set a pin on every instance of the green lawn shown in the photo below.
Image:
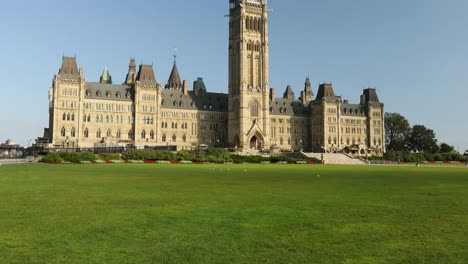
(149, 213)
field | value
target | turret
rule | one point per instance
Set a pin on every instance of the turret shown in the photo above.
(146, 75)
(132, 74)
(69, 68)
(288, 94)
(307, 95)
(105, 77)
(174, 81)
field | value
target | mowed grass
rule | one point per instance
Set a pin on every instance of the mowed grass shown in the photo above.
(148, 213)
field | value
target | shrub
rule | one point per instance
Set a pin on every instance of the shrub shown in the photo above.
(109, 156)
(52, 157)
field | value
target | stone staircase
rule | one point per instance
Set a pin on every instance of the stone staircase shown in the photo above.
(335, 158)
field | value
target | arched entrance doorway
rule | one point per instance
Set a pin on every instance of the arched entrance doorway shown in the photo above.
(256, 142)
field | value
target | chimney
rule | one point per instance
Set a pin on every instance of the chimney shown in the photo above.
(272, 94)
(185, 87)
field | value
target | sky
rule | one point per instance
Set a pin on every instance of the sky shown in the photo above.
(414, 52)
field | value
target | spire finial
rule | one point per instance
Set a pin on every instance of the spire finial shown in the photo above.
(175, 56)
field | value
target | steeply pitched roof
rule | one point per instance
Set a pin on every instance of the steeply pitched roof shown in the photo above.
(131, 75)
(108, 92)
(105, 77)
(146, 75)
(325, 91)
(288, 107)
(174, 81)
(176, 99)
(288, 94)
(69, 68)
(370, 95)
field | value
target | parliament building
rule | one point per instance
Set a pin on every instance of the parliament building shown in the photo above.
(142, 112)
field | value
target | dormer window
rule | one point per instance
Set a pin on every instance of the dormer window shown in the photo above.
(98, 93)
(108, 94)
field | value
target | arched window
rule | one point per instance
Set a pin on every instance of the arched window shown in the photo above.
(97, 119)
(165, 125)
(107, 119)
(73, 117)
(64, 117)
(72, 132)
(174, 138)
(118, 135)
(86, 133)
(84, 118)
(164, 138)
(63, 132)
(184, 138)
(152, 134)
(68, 117)
(143, 134)
(162, 124)
(111, 119)
(247, 24)
(100, 119)
(281, 141)
(254, 109)
(98, 133)
(109, 133)
(130, 134)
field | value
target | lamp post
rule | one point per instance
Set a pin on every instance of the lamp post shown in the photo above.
(466, 158)
(417, 158)
(323, 151)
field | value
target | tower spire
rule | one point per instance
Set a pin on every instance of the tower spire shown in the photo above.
(175, 56)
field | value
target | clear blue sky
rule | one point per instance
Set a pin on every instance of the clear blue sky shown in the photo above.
(414, 52)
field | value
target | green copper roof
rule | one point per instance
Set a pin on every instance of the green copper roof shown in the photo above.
(105, 74)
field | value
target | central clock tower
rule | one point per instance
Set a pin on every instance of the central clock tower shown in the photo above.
(249, 103)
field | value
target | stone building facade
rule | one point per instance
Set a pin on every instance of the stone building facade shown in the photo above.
(143, 112)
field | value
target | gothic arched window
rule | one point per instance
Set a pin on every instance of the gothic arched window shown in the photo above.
(63, 132)
(73, 132)
(254, 109)
(86, 133)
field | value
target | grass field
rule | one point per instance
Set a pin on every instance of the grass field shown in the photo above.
(148, 213)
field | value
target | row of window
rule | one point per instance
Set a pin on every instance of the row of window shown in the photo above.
(148, 109)
(109, 119)
(253, 24)
(148, 97)
(71, 104)
(68, 117)
(69, 92)
(109, 94)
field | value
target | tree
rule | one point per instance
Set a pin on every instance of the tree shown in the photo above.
(422, 139)
(446, 148)
(396, 131)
